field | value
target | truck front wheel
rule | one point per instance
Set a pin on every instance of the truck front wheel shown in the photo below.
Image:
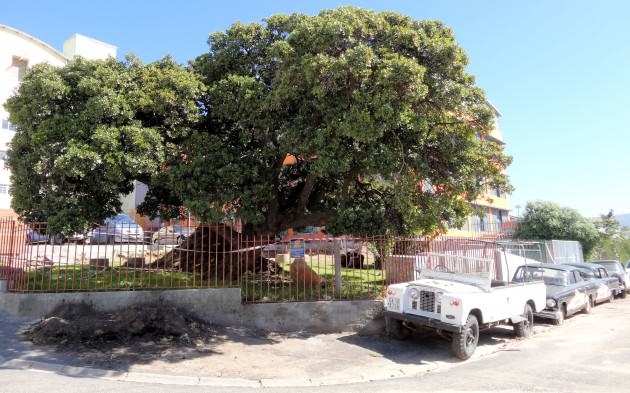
(526, 326)
(465, 342)
(396, 329)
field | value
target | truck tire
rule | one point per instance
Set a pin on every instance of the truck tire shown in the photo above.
(396, 329)
(525, 328)
(465, 342)
(623, 294)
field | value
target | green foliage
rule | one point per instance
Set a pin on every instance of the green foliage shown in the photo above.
(549, 221)
(614, 242)
(86, 131)
(369, 104)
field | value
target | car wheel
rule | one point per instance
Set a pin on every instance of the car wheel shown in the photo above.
(465, 342)
(563, 316)
(525, 328)
(588, 307)
(396, 329)
(623, 294)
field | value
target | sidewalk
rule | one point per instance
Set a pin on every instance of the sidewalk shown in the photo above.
(240, 358)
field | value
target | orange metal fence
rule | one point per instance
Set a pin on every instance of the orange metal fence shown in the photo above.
(124, 256)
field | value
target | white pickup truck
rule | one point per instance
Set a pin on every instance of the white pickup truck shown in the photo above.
(457, 296)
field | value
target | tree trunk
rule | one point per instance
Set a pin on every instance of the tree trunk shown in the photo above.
(218, 251)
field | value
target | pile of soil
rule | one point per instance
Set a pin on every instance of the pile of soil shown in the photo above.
(80, 324)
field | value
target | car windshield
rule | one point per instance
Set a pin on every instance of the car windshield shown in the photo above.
(610, 266)
(120, 219)
(548, 275)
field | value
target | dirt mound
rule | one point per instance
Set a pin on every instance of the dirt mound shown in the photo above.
(81, 324)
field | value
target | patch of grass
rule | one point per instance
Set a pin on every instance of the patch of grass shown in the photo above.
(366, 283)
(72, 278)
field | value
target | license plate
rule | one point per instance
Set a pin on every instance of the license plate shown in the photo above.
(393, 303)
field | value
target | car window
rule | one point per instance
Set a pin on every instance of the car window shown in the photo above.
(533, 273)
(587, 274)
(578, 276)
(602, 272)
(572, 277)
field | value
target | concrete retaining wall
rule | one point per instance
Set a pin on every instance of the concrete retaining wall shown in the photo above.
(220, 306)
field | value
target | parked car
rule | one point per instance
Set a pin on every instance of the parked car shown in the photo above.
(172, 234)
(616, 269)
(456, 296)
(567, 292)
(35, 237)
(606, 286)
(121, 228)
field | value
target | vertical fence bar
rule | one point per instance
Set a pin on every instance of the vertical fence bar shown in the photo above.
(337, 259)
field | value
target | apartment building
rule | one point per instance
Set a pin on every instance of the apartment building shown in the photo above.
(494, 205)
(18, 52)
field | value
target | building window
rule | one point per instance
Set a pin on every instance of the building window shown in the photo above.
(7, 125)
(18, 68)
(4, 188)
(427, 186)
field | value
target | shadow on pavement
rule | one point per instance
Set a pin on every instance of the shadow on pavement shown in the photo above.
(109, 356)
(426, 346)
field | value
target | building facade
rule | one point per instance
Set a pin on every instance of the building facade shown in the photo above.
(18, 52)
(494, 206)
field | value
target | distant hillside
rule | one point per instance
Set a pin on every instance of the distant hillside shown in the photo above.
(624, 219)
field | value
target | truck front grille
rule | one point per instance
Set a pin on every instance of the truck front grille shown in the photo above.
(427, 301)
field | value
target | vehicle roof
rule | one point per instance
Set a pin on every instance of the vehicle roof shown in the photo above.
(584, 265)
(554, 266)
(606, 261)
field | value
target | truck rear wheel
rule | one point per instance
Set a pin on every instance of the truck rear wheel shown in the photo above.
(525, 327)
(465, 342)
(396, 329)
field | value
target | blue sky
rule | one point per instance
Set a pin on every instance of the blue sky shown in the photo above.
(559, 71)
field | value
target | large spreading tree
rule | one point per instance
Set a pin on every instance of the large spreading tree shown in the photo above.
(365, 122)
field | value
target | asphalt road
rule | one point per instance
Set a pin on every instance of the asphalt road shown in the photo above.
(589, 353)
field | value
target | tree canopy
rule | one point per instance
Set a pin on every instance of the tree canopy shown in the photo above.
(614, 239)
(86, 131)
(550, 221)
(366, 106)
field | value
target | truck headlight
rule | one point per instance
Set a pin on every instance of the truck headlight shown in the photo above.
(414, 293)
(551, 303)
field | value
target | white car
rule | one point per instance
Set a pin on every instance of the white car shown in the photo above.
(457, 296)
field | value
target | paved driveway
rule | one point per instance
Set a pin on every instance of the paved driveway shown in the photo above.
(590, 353)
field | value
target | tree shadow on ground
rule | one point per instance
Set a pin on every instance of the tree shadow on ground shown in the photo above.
(426, 346)
(107, 357)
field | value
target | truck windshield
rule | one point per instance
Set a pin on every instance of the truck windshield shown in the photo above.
(467, 269)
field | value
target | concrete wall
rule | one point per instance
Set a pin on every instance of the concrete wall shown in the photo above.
(220, 306)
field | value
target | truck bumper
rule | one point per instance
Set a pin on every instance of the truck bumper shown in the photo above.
(423, 321)
(549, 314)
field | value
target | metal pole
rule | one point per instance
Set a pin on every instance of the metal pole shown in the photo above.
(337, 257)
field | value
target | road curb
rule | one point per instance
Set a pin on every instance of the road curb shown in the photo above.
(124, 376)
